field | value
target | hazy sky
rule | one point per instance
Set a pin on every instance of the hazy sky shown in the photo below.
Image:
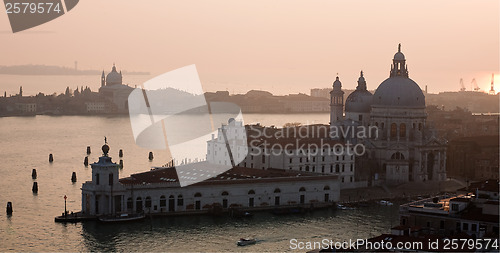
(280, 46)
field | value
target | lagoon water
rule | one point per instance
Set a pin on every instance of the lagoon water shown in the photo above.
(25, 143)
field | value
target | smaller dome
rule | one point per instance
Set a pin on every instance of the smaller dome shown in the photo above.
(337, 83)
(399, 56)
(113, 77)
(359, 101)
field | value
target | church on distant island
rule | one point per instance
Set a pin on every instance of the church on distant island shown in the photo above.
(113, 89)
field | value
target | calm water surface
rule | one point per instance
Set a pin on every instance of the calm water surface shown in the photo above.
(25, 143)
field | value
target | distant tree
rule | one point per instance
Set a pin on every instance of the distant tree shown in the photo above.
(68, 92)
(292, 124)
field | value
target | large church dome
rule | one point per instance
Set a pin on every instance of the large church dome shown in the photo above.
(399, 90)
(359, 100)
(113, 77)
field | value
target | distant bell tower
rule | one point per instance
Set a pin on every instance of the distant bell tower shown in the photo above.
(103, 79)
(336, 102)
(21, 91)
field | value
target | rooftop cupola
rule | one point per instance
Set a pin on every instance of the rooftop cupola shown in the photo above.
(361, 82)
(337, 85)
(398, 67)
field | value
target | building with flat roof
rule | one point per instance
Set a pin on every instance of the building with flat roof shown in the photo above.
(474, 210)
(159, 191)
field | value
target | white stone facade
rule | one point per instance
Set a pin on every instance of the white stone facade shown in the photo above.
(158, 191)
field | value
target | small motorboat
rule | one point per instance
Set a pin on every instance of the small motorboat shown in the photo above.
(122, 218)
(246, 241)
(385, 203)
(344, 207)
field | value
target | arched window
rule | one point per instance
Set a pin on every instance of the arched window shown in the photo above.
(148, 202)
(277, 190)
(130, 204)
(402, 130)
(307, 168)
(302, 189)
(251, 192)
(394, 130)
(180, 200)
(337, 168)
(225, 193)
(397, 156)
(171, 203)
(138, 204)
(163, 201)
(197, 195)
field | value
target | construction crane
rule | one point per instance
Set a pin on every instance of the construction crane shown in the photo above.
(462, 87)
(492, 90)
(476, 88)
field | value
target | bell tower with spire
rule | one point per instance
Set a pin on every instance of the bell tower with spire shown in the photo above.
(336, 102)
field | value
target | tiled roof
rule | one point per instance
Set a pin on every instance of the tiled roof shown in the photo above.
(217, 175)
(488, 185)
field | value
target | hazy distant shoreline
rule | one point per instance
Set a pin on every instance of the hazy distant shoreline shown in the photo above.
(46, 70)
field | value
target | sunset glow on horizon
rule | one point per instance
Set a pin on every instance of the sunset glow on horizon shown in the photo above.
(280, 46)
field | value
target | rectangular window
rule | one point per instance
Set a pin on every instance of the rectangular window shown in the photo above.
(97, 179)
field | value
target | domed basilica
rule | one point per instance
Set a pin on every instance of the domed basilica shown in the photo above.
(403, 148)
(115, 91)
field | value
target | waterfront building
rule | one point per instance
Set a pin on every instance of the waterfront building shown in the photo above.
(301, 103)
(404, 148)
(95, 107)
(473, 211)
(474, 158)
(158, 191)
(298, 148)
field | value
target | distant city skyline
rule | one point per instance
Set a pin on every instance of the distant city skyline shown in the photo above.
(282, 47)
